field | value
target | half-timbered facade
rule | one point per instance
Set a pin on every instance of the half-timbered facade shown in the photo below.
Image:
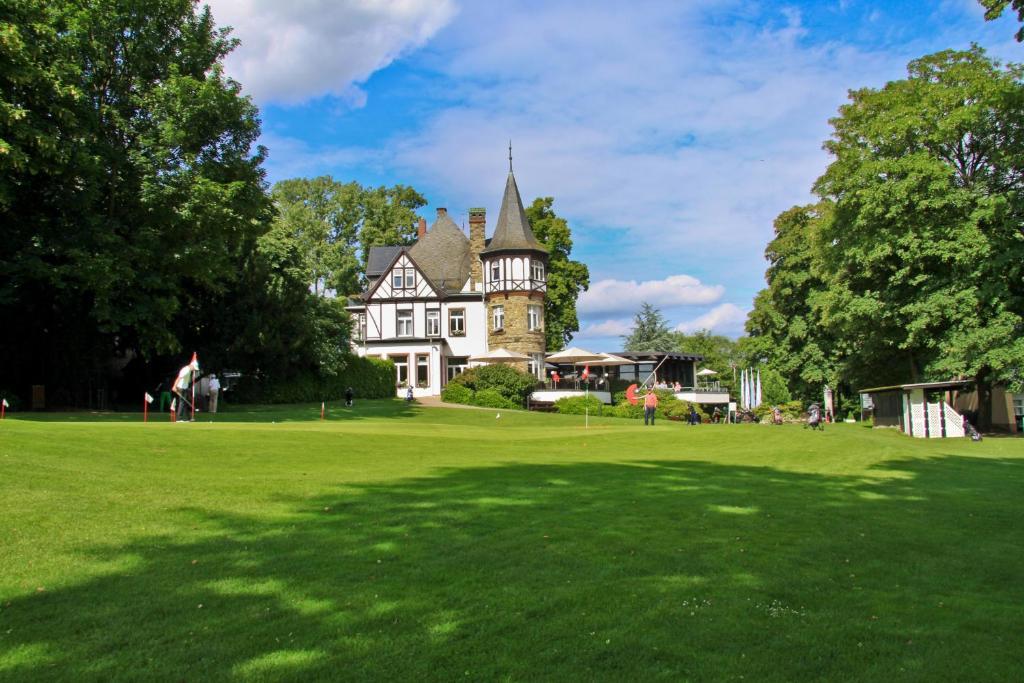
(431, 306)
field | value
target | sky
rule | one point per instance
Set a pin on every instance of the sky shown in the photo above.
(669, 133)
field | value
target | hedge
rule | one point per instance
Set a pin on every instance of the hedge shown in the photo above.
(513, 385)
(579, 405)
(368, 377)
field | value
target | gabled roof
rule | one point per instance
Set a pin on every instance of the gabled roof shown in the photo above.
(379, 260)
(443, 254)
(949, 384)
(513, 229)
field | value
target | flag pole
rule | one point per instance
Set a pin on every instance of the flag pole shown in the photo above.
(145, 409)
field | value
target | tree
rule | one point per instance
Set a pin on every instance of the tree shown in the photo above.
(720, 353)
(784, 327)
(994, 9)
(130, 183)
(650, 332)
(389, 217)
(566, 278)
(923, 256)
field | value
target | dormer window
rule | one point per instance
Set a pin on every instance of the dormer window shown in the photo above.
(537, 271)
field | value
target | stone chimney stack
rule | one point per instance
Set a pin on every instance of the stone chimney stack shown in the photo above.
(477, 226)
(421, 229)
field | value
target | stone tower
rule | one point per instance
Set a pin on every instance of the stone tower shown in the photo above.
(514, 268)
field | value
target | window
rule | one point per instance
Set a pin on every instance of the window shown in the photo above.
(361, 327)
(404, 323)
(537, 270)
(498, 317)
(457, 322)
(422, 370)
(401, 369)
(433, 323)
(403, 278)
(534, 318)
(456, 366)
(535, 366)
(495, 271)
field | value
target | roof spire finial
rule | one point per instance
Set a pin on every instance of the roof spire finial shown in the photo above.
(510, 156)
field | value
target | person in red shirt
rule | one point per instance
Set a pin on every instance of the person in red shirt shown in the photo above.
(650, 405)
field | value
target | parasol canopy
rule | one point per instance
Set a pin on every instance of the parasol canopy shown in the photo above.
(609, 360)
(706, 372)
(573, 356)
(499, 355)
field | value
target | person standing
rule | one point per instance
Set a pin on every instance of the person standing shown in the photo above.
(650, 406)
(182, 385)
(214, 392)
(349, 394)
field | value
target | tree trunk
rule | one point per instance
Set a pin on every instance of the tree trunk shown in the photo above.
(984, 388)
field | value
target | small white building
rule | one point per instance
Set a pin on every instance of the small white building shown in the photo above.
(922, 410)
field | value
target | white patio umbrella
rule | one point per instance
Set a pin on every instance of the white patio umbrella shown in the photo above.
(499, 355)
(576, 356)
(706, 372)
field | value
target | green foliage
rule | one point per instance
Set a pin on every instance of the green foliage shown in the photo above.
(773, 387)
(336, 223)
(650, 332)
(565, 278)
(720, 353)
(579, 405)
(912, 267)
(493, 398)
(457, 393)
(368, 377)
(995, 8)
(510, 383)
(131, 185)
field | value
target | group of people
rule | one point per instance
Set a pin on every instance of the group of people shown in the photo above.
(675, 387)
(184, 397)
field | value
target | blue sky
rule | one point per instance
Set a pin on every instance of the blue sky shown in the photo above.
(669, 133)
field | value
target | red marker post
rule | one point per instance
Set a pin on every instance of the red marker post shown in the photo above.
(146, 400)
(3, 409)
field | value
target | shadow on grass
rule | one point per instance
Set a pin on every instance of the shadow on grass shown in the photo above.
(657, 570)
(305, 412)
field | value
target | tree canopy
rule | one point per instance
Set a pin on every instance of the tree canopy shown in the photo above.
(650, 332)
(914, 264)
(995, 8)
(566, 278)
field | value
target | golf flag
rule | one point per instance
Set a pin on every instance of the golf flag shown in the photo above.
(149, 399)
(6, 404)
(3, 409)
(586, 372)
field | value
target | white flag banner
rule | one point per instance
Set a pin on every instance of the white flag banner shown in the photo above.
(6, 404)
(757, 392)
(149, 399)
(174, 404)
(744, 390)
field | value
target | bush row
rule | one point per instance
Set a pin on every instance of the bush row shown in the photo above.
(669, 407)
(491, 386)
(368, 377)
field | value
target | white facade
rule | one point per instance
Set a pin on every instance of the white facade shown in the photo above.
(427, 335)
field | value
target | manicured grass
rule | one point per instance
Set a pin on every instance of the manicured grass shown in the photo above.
(395, 542)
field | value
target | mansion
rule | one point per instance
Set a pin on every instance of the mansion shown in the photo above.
(432, 306)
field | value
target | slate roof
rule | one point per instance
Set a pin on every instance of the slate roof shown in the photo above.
(443, 254)
(379, 259)
(513, 228)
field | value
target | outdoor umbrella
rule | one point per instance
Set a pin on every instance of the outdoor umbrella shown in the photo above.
(576, 356)
(499, 355)
(706, 372)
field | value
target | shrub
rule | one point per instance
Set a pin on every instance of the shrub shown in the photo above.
(368, 377)
(513, 385)
(578, 405)
(457, 393)
(492, 398)
(628, 410)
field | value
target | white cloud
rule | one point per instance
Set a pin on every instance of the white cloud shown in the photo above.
(608, 328)
(725, 319)
(618, 296)
(296, 50)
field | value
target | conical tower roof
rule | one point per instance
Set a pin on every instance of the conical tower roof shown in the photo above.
(513, 230)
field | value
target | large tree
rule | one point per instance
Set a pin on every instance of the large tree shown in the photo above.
(784, 327)
(923, 257)
(566, 278)
(130, 184)
(335, 224)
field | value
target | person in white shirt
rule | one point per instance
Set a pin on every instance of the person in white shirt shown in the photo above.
(182, 387)
(214, 392)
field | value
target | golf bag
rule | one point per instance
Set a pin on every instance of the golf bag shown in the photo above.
(970, 431)
(814, 418)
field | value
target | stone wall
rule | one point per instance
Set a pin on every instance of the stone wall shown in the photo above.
(515, 336)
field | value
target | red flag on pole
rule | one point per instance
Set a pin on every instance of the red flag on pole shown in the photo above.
(586, 372)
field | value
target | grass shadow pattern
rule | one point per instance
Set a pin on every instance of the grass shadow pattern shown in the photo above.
(658, 570)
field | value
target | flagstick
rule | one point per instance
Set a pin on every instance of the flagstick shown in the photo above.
(193, 399)
(322, 405)
(145, 410)
(3, 410)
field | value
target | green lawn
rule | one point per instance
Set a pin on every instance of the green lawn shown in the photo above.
(395, 542)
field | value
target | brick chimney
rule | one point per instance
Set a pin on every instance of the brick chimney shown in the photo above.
(421, 229)
(477, 225)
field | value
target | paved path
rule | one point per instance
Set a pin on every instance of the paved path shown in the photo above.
(436, 402)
